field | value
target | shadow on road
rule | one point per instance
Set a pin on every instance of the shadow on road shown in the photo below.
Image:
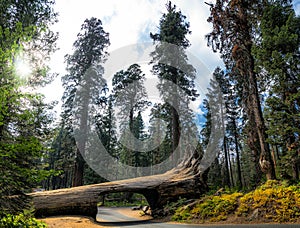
(128, 223)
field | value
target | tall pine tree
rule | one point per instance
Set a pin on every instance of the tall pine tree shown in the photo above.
(173, 29)
(130, 98)
(89, 52)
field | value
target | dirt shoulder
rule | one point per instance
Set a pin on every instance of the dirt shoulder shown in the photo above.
(70, 222)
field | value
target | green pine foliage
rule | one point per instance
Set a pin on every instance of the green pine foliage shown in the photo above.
(160, 113)
(130, 98)
(25, 119)
(277, 57)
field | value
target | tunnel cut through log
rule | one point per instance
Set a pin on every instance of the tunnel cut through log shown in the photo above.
(184, 181)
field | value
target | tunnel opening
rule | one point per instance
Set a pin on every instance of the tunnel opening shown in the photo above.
(123, 207)
(123, 199)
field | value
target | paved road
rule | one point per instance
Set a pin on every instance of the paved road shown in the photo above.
(114, 215)
(111, 217)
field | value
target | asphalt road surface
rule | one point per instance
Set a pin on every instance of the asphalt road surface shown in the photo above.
(112, 217)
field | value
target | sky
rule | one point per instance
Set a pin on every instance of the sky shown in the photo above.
(127, 22)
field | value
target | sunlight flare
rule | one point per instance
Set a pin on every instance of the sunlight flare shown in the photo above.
(23, 68)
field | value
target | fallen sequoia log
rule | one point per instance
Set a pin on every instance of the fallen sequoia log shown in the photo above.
(184, 181)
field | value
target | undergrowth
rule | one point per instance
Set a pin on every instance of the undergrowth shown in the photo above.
(274, 201)
(24, 220)
(214, 208)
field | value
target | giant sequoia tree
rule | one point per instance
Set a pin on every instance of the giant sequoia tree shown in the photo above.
(84, 71)
(232, 36)
(173, 29)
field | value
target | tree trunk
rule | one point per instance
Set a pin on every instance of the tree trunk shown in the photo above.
(296, 165)
(239, 182)
(230, 168)
(175, 116)
(175, 133)
(78, 170)
(227, 177)
(184, 181)
(243, 58)
(265, 160)
(295, 171)
(130, 152)
(83, 107)
(227, 174)
(253, 145)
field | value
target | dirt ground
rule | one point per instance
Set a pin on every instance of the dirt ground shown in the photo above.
(70, 222)
(84, 222)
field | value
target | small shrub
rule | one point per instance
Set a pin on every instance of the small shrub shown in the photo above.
(24, 220)
(218, 218)
(171, 207)
(215, 208)
(182, 214)
(275, 201)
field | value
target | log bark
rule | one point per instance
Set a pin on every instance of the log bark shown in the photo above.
(183, 181)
